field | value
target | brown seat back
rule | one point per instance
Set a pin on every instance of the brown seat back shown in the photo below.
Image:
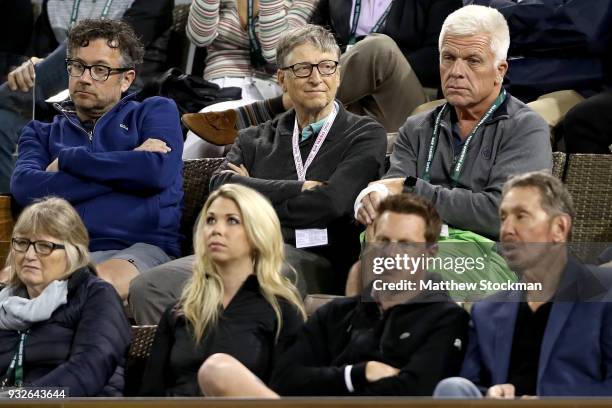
(588, 178)
(140, 349)
(559, 160)
(196, 178)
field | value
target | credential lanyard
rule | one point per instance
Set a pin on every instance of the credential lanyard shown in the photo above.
(75, 11)
(16, 363)
(374, 29)
(297, 157)
(257, 58)
(456, 171)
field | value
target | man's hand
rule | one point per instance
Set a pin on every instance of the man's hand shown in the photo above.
(310, 184)
(22, 77)
(395, 185)
(375, 370)
(239, 170)
(153, 146)
(53, 167)
(505, 391)
(369, 208)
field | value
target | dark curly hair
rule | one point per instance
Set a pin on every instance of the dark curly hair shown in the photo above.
(116, 33)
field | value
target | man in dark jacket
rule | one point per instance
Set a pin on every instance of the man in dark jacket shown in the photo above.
(554, 337)
(117, 161)
(384, 342)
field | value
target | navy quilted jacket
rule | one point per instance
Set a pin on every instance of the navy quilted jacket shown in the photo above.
(81, 347)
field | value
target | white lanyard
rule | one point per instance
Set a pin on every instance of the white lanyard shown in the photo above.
(297, 157)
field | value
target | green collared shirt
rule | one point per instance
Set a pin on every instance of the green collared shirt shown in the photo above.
(312, 130)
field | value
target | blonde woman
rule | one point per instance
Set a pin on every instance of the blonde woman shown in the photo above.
(60, 325)
(237, 302)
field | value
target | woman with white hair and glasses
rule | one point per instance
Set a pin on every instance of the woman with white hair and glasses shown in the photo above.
(237, 307)
(60, 325)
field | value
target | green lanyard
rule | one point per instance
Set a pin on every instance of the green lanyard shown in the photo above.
(256, 56)
(16, 363)
(375, 28)
(77, 4)
(456, 171)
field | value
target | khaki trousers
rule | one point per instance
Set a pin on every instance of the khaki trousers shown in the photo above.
(377, 80)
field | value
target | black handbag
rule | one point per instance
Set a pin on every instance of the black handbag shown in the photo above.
(190, 92)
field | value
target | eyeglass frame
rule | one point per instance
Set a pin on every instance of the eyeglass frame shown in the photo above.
(111, 70)
(54, 246)
(292, 68)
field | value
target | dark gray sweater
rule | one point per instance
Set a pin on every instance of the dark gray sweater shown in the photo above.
(351, 156)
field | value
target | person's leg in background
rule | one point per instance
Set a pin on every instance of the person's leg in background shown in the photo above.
(377, 80)
(211, 135)
(16, 108)
(152, 292)
(120, 267)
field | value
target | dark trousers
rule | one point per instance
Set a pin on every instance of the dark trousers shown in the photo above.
(587, 127)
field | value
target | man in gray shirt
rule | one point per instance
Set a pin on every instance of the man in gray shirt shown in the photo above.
(458, 155)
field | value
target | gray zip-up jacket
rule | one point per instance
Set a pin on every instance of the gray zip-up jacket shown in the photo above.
(513, 140)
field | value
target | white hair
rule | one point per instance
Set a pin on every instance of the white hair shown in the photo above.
(473, 20)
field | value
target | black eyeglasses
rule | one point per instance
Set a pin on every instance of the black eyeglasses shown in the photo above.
(40, 247)
(304, 69)
(97, 72)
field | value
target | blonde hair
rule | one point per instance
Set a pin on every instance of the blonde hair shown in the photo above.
(55, 217)
(473, 20)
(202, 297)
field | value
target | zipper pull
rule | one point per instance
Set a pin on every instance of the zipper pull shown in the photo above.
(90, 136)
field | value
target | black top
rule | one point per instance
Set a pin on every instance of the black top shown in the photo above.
(81, 346)
(246, 330)
(526, 345)
(424, 338)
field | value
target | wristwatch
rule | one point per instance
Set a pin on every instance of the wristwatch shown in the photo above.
(409, 184)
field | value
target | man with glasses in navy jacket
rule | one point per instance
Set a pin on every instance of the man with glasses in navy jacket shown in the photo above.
(117, 161)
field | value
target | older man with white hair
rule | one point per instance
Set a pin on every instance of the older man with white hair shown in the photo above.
(458, 155)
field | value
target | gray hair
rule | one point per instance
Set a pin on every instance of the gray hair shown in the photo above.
(473, 20)
(306, 34)
(55, 217)
(554, 197)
